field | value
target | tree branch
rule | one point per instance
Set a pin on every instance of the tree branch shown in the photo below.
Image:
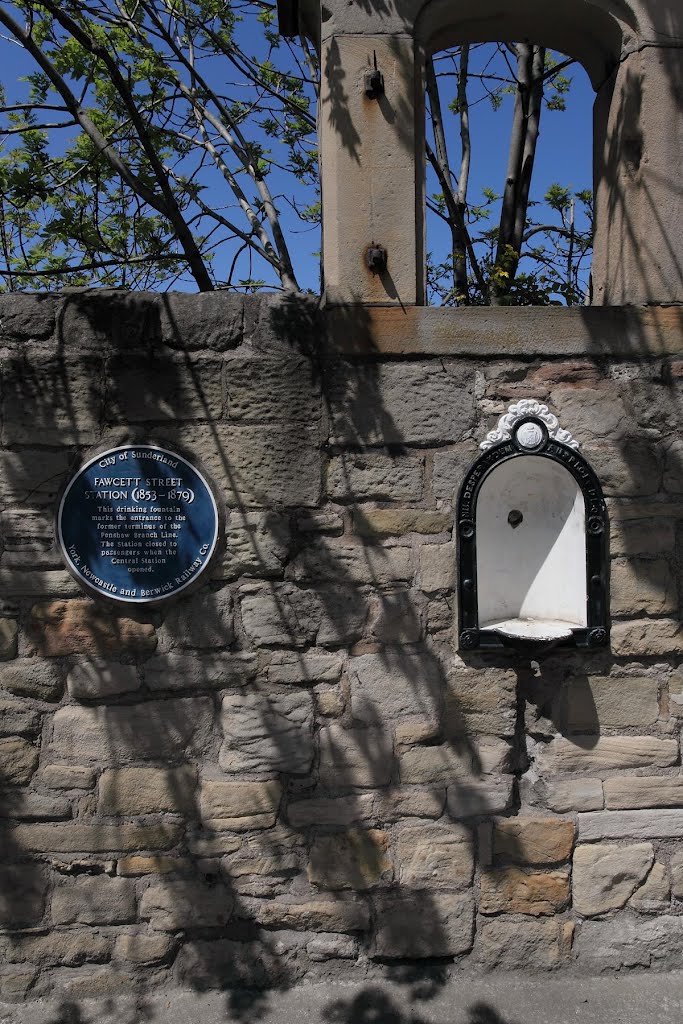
(170, 206)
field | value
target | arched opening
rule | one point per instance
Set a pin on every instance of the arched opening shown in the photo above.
(509, 155)
(531, 547)
(508, 189)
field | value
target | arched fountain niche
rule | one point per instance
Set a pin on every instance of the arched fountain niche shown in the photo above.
(533, 539)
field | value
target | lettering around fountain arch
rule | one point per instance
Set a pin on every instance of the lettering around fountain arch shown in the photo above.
(138, 524)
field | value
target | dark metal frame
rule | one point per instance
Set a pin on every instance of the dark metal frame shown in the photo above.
(596, 632)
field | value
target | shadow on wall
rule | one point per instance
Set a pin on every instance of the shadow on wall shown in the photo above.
(215, 792)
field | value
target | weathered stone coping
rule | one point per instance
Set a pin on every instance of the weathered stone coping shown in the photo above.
(633, 332)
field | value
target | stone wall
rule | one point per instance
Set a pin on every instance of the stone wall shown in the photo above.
(292, 771)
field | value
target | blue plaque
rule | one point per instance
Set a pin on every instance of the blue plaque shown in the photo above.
(137, 524)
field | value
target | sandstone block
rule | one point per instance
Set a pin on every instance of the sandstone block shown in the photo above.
(278, 850)
(304, 668)
(256, 544)
(533, 840)
(629, 469)
(94, 679)
(177, 904)
(290, 616)
(387, 522)
(456, 761)
(17, 582)
(180, 672)
(74, 411)
(471, 707)
(8, 639)
(642, 536)
(184, 388)
(374, 476)
(516, 891)
(607, 702)
(82, 627)
(676, 865)
(676, 693)
(267, 734)
(78, 837)
(673, 478)
(65, 776)
(157, 864)
(98, 319)
(30, 677)
(654, 895)
(32, 477)
(57, 949)
(285, 616)
(154, 730)
(18, 719)
(16, 982)
(409, 802)
(564, 796)
(255, 804)
(204, 621)
(24, 317)
(261, 389)
(340, 811)
(24, 805)
(416, 729)
(18, 761)
(397, 617)
(605, 875)
(268, 468)
(352, 564)
(357, 859)
(437, 567)
(424, 925)
(625, 941)
(148, 791)
(143, 949)
(95, 900)
(634, 791)
(421, 402)
(394, 684)
(355, 757)
(22, 895)
(332, 947)
(593, 412)
(642, 587)
(320, 522)
(214, 844)
(211, 320)
(225, 963)
(661, 824)
(470, 798)
(329, 702)
(313, 915)
(449, 469)
(439, 855)
(90, 984)
(516, 945)
(383, 806)
(646, 637)
(590, 753)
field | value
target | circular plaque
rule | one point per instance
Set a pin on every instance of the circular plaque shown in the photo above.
(137, 523)
(529, 434)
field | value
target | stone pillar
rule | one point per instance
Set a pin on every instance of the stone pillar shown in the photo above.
(371, 172)
(638, 257)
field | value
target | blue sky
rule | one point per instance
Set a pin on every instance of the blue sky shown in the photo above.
(564, 152)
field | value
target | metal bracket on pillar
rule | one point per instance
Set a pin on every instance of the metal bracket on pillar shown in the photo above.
(373, 81)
